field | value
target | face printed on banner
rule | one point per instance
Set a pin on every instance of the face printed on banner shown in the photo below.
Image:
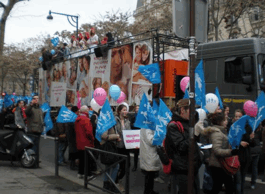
(105, 86)
(116, 65)
(97, 82)
(86, 65)
(81, 65)
(138, 54)
(73, 77)
(64, 70)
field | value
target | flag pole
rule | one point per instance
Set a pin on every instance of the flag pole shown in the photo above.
(192, 41)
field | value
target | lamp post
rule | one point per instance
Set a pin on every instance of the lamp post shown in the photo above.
(72, 19)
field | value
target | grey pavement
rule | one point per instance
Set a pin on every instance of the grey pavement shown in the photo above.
(18, 180)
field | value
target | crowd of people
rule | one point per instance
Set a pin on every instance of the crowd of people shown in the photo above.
(213, 130)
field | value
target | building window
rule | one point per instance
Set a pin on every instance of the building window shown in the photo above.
(211, 28)
(256, 14)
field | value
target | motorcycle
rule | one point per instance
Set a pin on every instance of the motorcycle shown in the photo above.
(15, 145)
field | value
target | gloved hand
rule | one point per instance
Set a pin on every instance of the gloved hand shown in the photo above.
(234, 152)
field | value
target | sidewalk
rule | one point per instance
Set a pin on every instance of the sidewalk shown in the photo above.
(18, 180)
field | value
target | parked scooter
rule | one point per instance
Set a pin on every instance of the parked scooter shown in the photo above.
(15, 145)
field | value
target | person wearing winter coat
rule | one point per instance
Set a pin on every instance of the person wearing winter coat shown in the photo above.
(150, 163)
(84, 137)
(123, 123)
(70, 134)
(220, 149)
(111, 135)
(135, 151)
(255, 155)
(177, 144)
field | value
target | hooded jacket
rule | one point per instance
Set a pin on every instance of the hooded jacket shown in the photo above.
(177, 146)
(84, 132)
(219, 140)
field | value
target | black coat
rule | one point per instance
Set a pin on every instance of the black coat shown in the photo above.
(132, 120)
(94, 120)
(177, 146)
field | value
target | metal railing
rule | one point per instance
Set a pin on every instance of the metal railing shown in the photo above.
(89, 151)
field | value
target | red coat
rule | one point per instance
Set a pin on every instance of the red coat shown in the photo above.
(84, 132)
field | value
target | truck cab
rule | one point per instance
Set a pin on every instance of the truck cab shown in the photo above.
(236, 67)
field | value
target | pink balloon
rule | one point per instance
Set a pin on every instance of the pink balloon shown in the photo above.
(122, 97)
(100, 96)
(14, 93)
(250, 108)
(183, 83)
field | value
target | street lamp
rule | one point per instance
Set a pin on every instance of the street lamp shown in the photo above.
(72, 19)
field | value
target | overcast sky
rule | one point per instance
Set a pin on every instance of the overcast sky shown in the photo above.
(29, 18)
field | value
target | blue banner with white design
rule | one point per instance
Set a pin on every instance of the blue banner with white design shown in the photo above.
(237, 130)
(254, 122)
(48, 122)
(1, 104)
(55, 41)
(155, 108)
(219, 98)
(151, 72)
(200, 85)
(7, 101)
(106, 120)
(163, 118)
(145, 117)
(66, 115)
(45, 107)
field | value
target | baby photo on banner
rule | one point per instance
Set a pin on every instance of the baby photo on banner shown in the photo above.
(84, 79)
(100, 73)
(71, 97)
(121, 69)
(56, 74)
(142, 55)
(63, 71)
(72, 74)
(47, 85)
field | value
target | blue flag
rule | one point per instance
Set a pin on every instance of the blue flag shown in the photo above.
(164, 116)
(200, 85)
(155, 108)
(66, 115)
(254, 122)
(106, 120)
(237, 130)
(145, 117)
(1, 104)
(7, 101)
(186, 96)
(219, 98)
(151, 72)
(90, 113)
(48, 122)
(45, 107)
(55, 41)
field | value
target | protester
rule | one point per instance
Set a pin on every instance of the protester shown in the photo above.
(84, 137)
(123, 123)
(255, 155)
(135, 151)
(220, 148)
(94, 121)
(19, 119)
(150, 163)
(111, 135)
(177, 146)
(71, 138)
(60, 130)
(35, 124)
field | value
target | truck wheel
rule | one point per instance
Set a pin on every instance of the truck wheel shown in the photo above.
(29, 161)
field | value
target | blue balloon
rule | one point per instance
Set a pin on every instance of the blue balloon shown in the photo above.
(115, 92)
(41, 59)
(52, 52)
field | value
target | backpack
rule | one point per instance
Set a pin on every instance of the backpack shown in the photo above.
(161, 151)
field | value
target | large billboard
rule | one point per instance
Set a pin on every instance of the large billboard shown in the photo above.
(84, 73)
